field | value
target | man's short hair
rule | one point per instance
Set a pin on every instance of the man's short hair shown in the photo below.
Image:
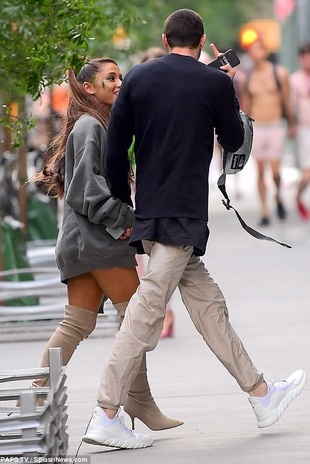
(303, 49)
(184, 28)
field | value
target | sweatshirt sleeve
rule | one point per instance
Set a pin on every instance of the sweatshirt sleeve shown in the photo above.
(88, 192)
(229, 126)
(121, 122)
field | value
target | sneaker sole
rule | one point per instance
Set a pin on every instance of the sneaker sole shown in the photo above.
(283, 405)
(115, 443)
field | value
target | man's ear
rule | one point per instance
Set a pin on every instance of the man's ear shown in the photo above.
(88, 87)
(203, 41)
(164, 40)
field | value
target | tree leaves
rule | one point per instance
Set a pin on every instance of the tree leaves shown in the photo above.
(41, 39)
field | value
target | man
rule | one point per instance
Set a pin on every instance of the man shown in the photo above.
(172, 106)
(300, 85)
(265, 97)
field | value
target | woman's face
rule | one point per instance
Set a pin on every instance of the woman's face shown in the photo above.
(106, 84)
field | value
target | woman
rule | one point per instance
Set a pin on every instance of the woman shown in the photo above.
(91, 251)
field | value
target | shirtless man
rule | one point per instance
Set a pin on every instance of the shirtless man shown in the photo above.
(300, 84)
(265, 97)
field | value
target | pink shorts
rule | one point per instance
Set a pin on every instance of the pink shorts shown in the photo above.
(268, 141)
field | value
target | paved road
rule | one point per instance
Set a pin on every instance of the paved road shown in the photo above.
(268, 293)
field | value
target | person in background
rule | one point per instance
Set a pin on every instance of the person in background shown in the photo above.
(92, 251)
(265, 96)
(300, 85)
(151, 53)
(172, 105)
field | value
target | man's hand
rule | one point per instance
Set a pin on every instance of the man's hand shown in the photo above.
(126, 234)
(227, 68)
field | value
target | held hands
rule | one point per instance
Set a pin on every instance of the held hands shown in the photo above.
(227, 68)
(127, 234)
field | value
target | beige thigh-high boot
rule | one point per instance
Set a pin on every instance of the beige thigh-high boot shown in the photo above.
(140, 403)
(77, 325)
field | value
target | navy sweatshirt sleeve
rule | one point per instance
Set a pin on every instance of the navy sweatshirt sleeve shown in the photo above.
(228, 121)
(120, 136)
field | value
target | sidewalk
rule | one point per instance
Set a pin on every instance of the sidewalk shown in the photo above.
(268, 293)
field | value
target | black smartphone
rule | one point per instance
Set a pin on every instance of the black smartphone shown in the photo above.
(228, 57)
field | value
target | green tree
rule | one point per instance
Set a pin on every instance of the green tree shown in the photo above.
(39, 40)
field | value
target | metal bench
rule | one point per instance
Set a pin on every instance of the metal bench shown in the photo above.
(52, 297)
(33, 430)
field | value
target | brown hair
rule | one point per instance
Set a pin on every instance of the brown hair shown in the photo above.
(51, 178)
(184, 28)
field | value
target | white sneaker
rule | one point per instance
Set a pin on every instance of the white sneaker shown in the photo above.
(113, 432)
(270, 408)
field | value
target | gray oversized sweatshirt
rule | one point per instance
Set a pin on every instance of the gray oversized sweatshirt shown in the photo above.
(83, 244)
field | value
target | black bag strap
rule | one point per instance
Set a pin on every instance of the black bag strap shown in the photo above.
(221, 183)
(279, 88)
(276, 77)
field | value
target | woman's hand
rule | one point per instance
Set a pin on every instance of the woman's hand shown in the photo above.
(126, 234)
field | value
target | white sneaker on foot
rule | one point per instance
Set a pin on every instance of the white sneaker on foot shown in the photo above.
(270, 408)
(113, 432)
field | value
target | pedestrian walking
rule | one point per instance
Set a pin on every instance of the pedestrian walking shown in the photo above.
(300, 85)
(92, 251)
(265, 96)
(172, 105)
